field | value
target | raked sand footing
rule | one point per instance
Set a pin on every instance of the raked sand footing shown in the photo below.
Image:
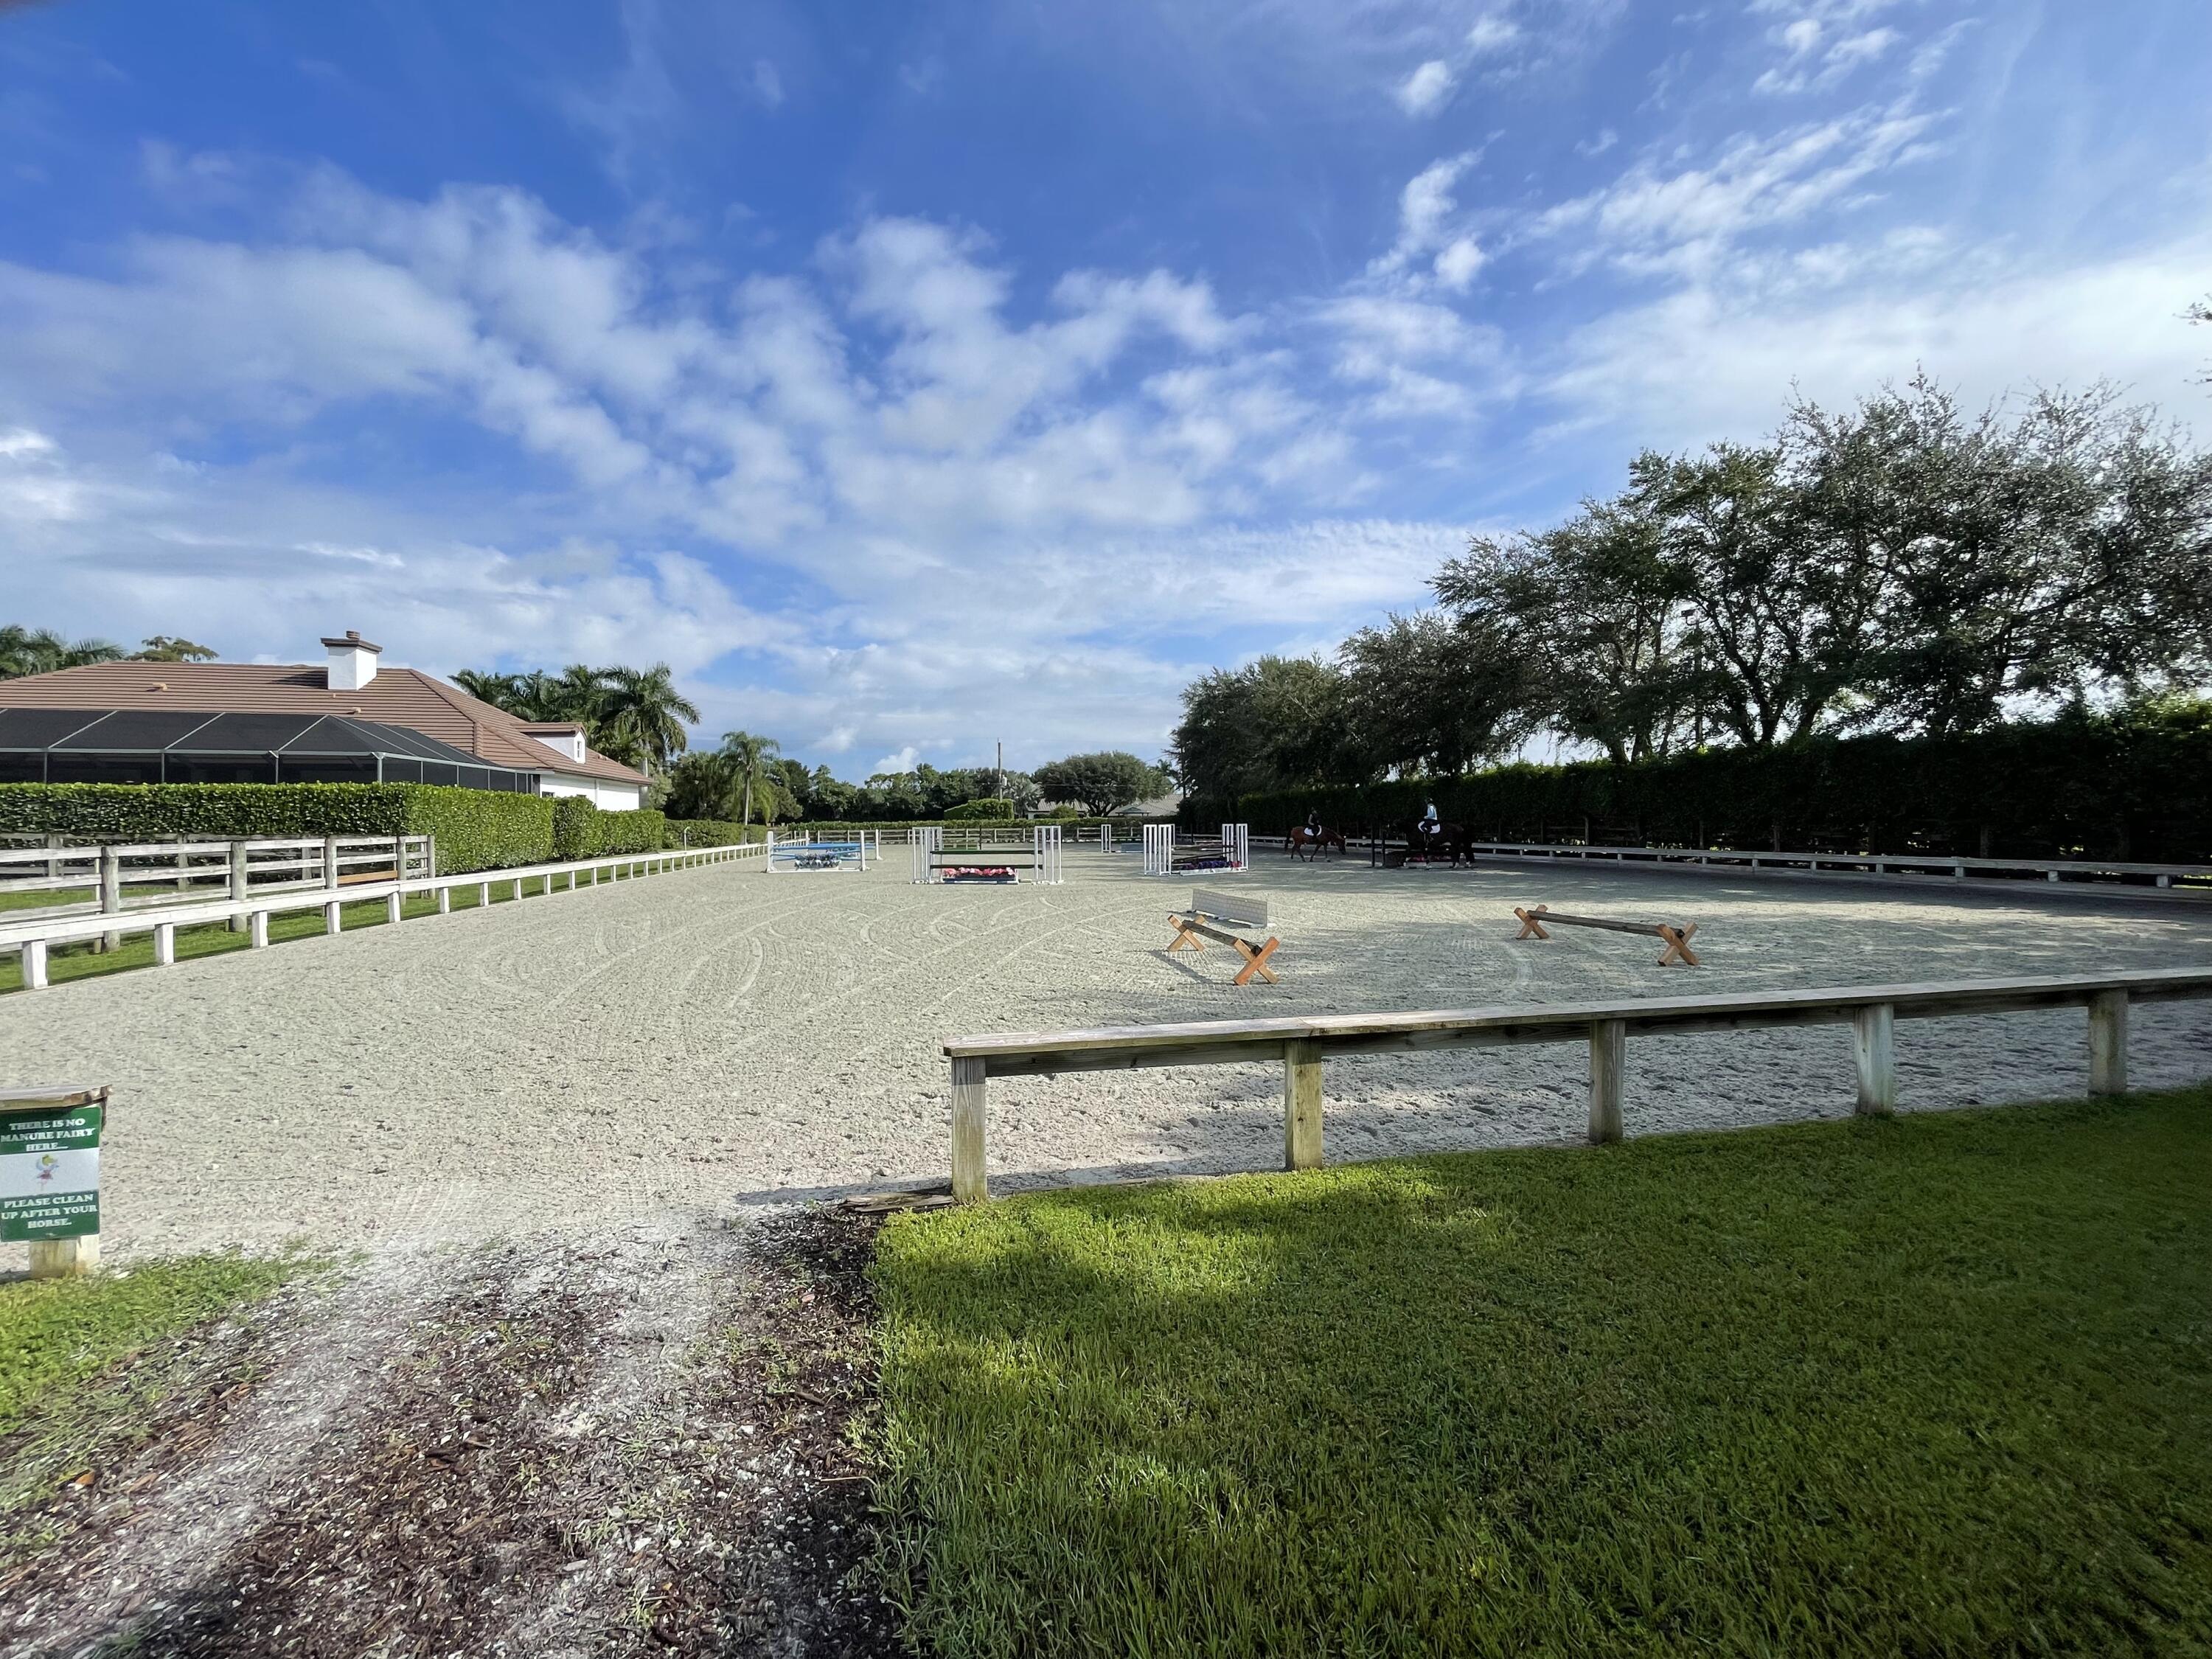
(708, 1042)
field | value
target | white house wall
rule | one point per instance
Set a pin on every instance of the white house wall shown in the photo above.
(607, 797)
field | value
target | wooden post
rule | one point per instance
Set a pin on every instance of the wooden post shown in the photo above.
(391, 907)
(333, 919)
(1301, 1136)
(1873, 1054)
(518, 887)
(34, 965)
(971, 1184)
(239, 885)
(330, 863)
(1608, 1060)
(165, 945)
(2108, 1043)
(66, 1258)
(111, 894)
(483, 895)
(257, 930)
(399, 859)
(445, 900)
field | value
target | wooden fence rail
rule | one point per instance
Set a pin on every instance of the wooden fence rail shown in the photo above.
(1303, 1045)
(105, 875)
(34, 938)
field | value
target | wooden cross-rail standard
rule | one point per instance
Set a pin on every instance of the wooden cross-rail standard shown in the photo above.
(1534, 918)
(1195, 926)
(1302, 1044)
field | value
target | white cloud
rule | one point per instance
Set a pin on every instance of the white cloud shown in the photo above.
(1455, 267)
(1424, 91)
(1682, 221)
(1425, 208)
(1493, 34)
(767, 85)
(1717, 359)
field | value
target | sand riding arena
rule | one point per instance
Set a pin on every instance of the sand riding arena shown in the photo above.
(718, 1041)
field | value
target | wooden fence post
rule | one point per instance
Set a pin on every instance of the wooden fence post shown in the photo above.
(239, 885)
(2108, 1043)
(165, 945)
(1302, 1133)
(971, 1184)
(330, 863)
(257, 933)
(1873, 1054)
(333, 917)
(1608, 1062)
(34, 965)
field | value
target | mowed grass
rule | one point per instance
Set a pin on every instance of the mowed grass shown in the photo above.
(1941, 1385)
(84, 1361)
(82, 962)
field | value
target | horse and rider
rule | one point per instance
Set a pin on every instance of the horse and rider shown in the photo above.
(1430, 836)
(1314, 837)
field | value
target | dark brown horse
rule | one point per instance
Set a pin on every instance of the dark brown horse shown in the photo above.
(1452, 842)
(1306, 843)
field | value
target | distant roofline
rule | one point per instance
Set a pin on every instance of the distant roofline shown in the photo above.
(352, 640)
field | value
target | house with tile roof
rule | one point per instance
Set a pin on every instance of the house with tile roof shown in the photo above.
(346, 720)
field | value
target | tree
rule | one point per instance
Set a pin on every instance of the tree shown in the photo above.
(643, 715)
(1101, 783)
(164, 647)
(1427, 696)
(1595, 611)
(2034, 559)
(748, 767)
(41, 650)
(1276, 723)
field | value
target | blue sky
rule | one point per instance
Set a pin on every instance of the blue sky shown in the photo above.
(917, 377)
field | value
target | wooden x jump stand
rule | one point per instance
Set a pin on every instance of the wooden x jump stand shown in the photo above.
(1533, 920)
(1194, 927)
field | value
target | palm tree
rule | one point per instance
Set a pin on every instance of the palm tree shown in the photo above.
(41, 650)
(500, 690)
(748, 764)
(644, 714)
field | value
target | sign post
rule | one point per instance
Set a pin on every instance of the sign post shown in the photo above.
(50, 1176)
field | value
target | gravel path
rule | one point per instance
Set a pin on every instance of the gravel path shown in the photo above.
(711, 1042)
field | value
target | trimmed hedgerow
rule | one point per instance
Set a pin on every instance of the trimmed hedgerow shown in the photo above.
(476, 828)
(2133, 784)
(992, 809)
(712, 832)
(641, 831)
(582, 830)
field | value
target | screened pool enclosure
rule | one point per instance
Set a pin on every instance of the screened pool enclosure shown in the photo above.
(92, 745)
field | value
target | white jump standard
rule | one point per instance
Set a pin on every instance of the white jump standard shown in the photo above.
(1168, 854)
(1002, 864)
(1534, 919)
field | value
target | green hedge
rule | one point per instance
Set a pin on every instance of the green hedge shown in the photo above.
(582, 830)
(713, 832)
(2135, 784)
(477, 829)
(995, 809)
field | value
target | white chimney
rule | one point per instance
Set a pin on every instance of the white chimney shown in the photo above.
(352, 662)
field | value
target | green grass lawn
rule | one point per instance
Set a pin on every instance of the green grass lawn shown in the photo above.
(82, 961)
(84, 1361)
(1939, 1385)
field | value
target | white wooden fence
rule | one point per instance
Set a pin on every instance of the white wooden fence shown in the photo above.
(136, 875)
(1303, 1044)
(34, 937)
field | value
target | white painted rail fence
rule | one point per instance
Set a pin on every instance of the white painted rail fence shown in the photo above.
(36, 937)
(98, 876)
(1303, 1045)
(1160, 847)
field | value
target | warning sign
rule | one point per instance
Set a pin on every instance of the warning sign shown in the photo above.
(50, 1172)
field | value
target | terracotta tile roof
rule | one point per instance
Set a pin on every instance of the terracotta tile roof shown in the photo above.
(397, 696)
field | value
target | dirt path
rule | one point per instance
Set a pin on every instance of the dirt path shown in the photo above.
(639, 1447)
(698, 1044)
